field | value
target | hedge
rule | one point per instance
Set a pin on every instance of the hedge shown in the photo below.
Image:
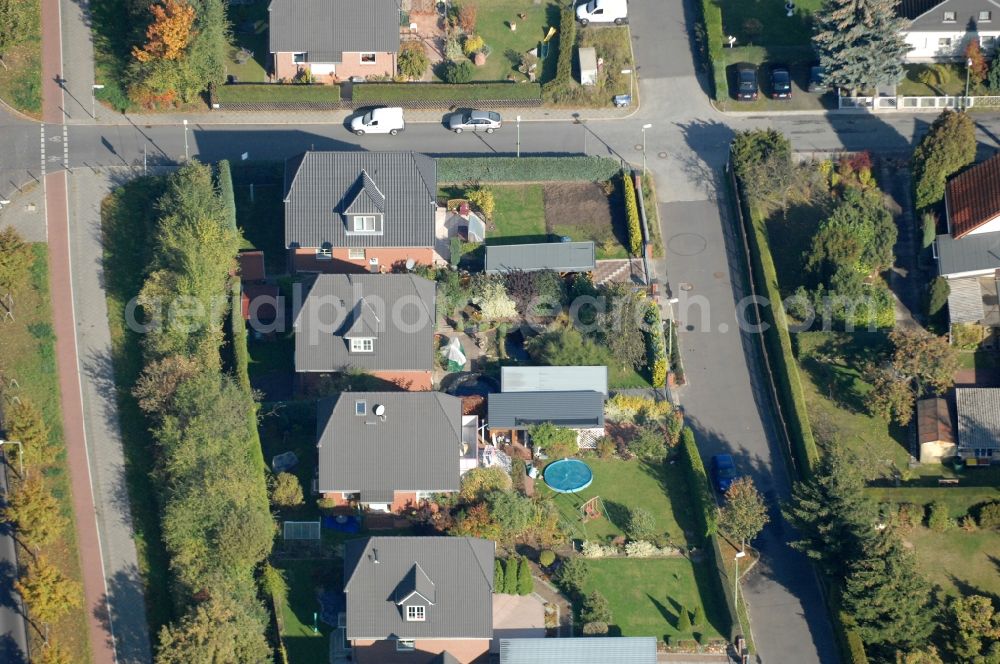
(224, 180)
(632, 215)
(777, 340)
(655, 346)
(276, 92)
(371, 93)
(698, 483)
(526, 169)
(711, 15)
(567, 40)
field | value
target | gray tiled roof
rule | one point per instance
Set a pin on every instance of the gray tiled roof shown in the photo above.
(389, 307)
(928, 15)
(413, 446)
(558, 256)
(519, 410)
(461, 569)
(321, 186)
(973, 253)
(965, 300)
(586, 650)
(553, 379)
(324, 29)
(978, 410)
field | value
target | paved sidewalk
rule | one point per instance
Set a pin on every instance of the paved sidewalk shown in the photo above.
(26, 213)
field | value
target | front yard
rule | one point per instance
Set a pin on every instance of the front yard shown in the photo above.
(247, 59)
(493, 25)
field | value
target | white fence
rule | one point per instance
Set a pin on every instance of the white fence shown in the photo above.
(915, 104)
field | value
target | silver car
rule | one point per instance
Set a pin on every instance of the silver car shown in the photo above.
(487, 121)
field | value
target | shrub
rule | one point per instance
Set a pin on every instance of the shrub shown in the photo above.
(595, 628)
(498, 576)
(712, 38)
(594, 549)
(656, 346)
(452, 48)
(698, 485)
(641, 549)
(455, 251)
(555, 442)
(473, 44)
(525, 582)
(546, 558)
(287, 491)
(683, 620)
(632, 215)
(596, 608)
(467, 13)
(949, 146)
(567, 41)
(928, 223)
(510, 576)
(490, 295)
(937, 296)
(481, 481)
(699, 616)
(908, 515)
(412, 61)
(606, 447)
(459, 72)
(483, 199)
(525, 169)
(573, 574)
(968, 524)
(641, 524)
(967, 336)
(649, 443)
(938, 520)
(989, 515)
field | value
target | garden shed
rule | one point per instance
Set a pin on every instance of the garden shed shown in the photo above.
(935, 431)
(588, 65)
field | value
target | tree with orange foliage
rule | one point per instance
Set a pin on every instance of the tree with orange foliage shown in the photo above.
(976, 63)
(169, 33)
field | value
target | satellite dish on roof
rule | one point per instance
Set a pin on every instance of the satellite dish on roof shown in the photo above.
(379, 410)
(410, 263)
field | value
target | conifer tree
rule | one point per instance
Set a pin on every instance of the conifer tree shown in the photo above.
(525, 584)
(860, 43)
(683, 620)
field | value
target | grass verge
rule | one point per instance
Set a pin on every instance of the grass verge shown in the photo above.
(21, 73)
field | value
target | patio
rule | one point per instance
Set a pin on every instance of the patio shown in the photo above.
(517, 617)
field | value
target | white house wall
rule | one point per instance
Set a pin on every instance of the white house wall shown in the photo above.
(927, 47)
(990, 226)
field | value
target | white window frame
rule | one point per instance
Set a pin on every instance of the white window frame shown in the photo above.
(950, 17)
(299, 58)
(944, 41)
(985, 16)
(363, 55)
(360, 407)
(356, 254)
(363, 219)
(416, 613)
(405, 645)
(324, 253)
(363, 345)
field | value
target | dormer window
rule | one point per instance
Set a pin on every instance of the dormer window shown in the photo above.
(950, 17)
(415, 613)
(363, 345)
(325, 252)
(365, 223)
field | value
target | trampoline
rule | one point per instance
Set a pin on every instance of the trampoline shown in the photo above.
(568, 476)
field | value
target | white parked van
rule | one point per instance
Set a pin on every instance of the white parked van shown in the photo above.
(387, 120)
(603, 11)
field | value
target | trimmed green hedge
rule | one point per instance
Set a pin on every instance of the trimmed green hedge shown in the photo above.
(527, 169)
(711, 15)
(656, 347)
(698, 484)
(276, 92)
(567, 40)
(632, 215)
(779, 342)
(365, 93)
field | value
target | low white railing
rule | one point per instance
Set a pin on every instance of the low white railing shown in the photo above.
(916, 104)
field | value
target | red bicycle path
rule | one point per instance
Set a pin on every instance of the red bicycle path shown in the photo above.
(67, 361)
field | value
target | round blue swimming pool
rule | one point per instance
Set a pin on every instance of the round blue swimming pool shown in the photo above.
(568, 475)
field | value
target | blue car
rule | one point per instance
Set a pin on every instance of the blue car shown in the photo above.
(723, 472)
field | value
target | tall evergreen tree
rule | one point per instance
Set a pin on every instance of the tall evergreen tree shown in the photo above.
(860, 43)
(887, 599)
(830, 512)
(947, 147)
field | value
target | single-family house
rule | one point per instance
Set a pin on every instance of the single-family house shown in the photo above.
(333, 40)
(585, 650)
(388, 451)
(978, 410)
(419, 600)
(940, 29)
(382, 324)
(359, 211)
(968, 255)
(935, 430)
(556, 256)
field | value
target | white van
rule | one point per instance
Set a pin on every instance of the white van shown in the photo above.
(387, 120)
(603, 11)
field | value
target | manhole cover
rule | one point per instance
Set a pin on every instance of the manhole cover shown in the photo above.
(687, 244)
(638, 147)
(685, 286)
(661, 155)
(718, 275)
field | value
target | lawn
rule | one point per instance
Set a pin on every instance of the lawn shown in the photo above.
(773, 27)
(659, 488)
(519, 217)
(260, 212)
(836, 396)
(27, 354)
(290, 426)
(249, 26)
(945, 79)
(128, 219)
(647, 595)
(111, 52)
(21, 73)
(507, 45)
(305, 578)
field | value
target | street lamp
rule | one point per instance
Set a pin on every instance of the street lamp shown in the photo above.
(644, 128)
(20, 456)
(736, 581)
(968, 67)
(519, 137)
(629, 73)
(186, 140)
(93, 102)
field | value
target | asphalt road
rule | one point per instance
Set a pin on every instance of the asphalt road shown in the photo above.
(685, 149)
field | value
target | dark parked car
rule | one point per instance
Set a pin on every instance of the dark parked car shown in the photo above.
(746, 81)
(781, 82)
(817, 79)
(723, 472)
